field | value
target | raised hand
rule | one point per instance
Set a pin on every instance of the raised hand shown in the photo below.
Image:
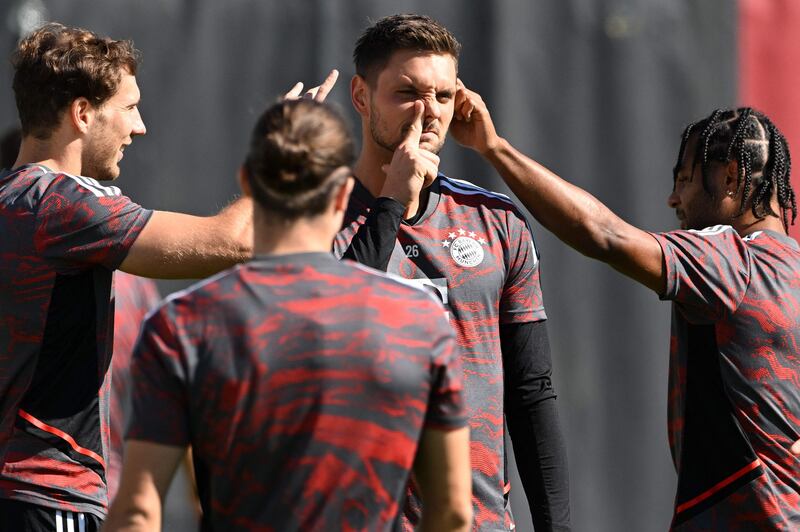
(472, 124)
(411, 168)
(318, 93)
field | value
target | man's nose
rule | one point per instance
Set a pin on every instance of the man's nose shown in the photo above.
(433, 108)
(138, 125)
(673, 200)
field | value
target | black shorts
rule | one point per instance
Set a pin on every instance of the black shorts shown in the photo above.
(25, 517)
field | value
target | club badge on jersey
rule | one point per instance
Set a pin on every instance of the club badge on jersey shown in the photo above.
(466, 247)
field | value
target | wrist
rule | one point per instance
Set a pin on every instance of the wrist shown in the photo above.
(388, 204)
(400, 192)
(493, 147)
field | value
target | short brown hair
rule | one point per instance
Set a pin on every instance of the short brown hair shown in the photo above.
(295, 149)
(56, 64)
(401, 32)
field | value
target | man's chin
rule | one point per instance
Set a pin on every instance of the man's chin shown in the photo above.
(106, 174)
(433, 147)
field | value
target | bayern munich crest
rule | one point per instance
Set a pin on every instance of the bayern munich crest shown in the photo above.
(465, 249)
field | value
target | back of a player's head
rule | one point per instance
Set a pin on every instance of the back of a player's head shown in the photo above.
(300, 151)
(9, 147)
(760, 150)
(390, 34)
(56, 64)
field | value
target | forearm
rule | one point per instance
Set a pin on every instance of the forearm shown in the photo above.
(181, 246)
(134, 515)
(572, 214)
(231, 236)
(533, 424)
(374, 241)
(542, 462)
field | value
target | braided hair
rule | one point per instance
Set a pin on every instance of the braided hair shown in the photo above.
(760, 150)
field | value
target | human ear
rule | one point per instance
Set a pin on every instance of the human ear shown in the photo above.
(342, 195)
(359, 94)
(81, 114)
(244, 182)
(732, 178)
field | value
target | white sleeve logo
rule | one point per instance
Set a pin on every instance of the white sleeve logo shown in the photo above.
(93, 186)
(711, 231)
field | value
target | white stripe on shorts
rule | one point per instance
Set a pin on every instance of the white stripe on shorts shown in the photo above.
(59, 521)
(70, 522)
(81, 522)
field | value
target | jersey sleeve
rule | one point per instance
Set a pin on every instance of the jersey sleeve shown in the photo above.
(707, 271)
(522, 299)
(82, 222)
(159, 409)
(446, 409)
(374, 242)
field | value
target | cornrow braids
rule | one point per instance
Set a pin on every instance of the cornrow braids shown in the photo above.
(705, 136)
(751, 139)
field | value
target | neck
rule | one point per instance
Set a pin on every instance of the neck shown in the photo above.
(753, 224)
(54, 153)
(305, 235)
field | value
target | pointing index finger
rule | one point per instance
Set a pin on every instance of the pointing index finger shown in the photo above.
(326, 86)
(415, 129)
(294, 92)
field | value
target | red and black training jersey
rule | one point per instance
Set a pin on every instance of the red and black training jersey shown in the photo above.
(734, 401)
(474, 250)
(61, 237)
(135, 297)
(302, 384)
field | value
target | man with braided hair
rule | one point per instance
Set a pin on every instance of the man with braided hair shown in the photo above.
(731, 272)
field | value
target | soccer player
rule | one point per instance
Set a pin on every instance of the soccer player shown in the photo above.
(732, 275)
(303, 384)
(63, 231)
(472, 248)
(134, 297)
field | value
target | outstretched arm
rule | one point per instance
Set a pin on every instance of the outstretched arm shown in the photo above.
(181, 246)
(572, 214)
